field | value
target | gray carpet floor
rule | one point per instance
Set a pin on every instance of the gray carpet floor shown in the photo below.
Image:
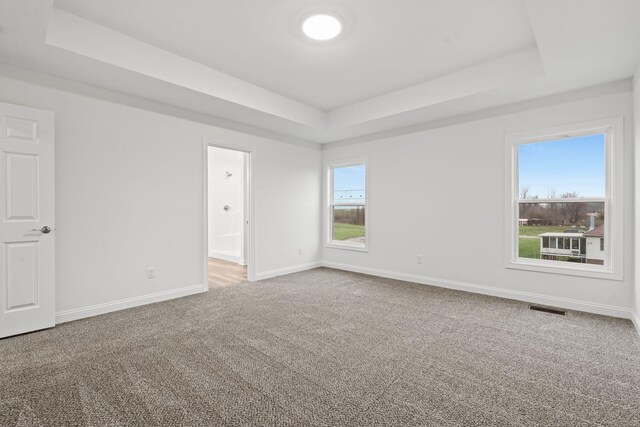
(325, 347)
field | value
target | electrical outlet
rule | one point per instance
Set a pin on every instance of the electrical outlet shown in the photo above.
(300, 251)
(419, 259)
(151, 273)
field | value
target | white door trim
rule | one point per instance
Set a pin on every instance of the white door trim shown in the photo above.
(249, 211)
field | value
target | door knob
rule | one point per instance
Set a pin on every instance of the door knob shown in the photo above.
(226, 208)
(44, 230)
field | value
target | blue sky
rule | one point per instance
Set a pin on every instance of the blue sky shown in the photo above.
(349, 178)
(566, 165)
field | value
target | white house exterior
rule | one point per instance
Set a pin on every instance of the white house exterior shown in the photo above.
(553, 245)
(586, 247)
(595, 245)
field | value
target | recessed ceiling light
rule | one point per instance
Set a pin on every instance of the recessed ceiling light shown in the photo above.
(322, 27)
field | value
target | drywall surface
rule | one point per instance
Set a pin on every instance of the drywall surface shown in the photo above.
(441, 194)
(226, 204)
(129, 195)
(636, 115)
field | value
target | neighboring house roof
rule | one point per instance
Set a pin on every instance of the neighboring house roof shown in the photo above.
(561, 235)
(596, 232)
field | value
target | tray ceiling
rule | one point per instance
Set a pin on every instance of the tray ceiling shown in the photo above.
(398, 64)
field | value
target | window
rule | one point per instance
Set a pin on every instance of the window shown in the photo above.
(347, 219)
(563, 188)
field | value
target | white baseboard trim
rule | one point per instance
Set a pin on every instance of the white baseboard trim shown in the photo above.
(226, 257)
(108, 307)
(566, 303)
(287, 270)
(635, 318)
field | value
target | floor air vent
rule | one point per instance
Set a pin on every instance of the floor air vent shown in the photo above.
(547, 310)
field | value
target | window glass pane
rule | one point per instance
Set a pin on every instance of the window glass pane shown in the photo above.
(349, 185)
(562, 231)
(565, 168)
(349, 201)
(348, 223)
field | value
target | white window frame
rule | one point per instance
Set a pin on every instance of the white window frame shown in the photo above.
(613, 222)
(328, 217)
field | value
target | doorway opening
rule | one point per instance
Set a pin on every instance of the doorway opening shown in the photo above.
(228, 205)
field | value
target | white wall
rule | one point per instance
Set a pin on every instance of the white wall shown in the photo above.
(129, 194)
(226, 227)
(636, 115)
(440, 194)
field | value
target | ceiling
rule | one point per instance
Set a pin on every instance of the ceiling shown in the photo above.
(396, 65)
(385, 48)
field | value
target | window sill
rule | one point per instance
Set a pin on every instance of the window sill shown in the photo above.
(582, 270)
(347, 246)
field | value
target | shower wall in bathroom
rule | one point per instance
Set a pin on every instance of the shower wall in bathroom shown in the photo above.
(226, 204)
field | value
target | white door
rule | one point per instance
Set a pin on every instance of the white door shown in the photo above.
(27, 244)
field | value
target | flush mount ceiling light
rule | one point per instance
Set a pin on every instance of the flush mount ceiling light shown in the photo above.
(321, 27)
